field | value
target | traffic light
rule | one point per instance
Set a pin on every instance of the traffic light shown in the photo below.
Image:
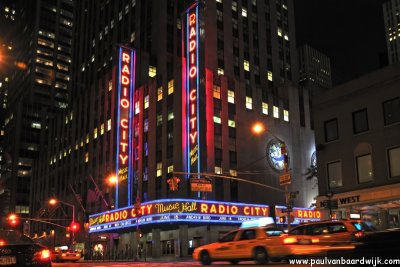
(13, 220)
(74, 227)
(282, 219)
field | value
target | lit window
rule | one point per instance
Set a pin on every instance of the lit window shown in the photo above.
(249, 102)
(152, 71)
(246, 65)
(286, 115)
(159, 169)
(87, 157)
(265, 108)
(146, 101)
(219, 1)
(231, 96)
(171, 116)
(87, 138)
(335, 174)
(36, 125)
(159, 119)
(279, 32)
(137, 107)
(220, 71)
(95, 133)
(217, 92)
(120, 15)
(159, 93)
(133, 37)
(170, 168)
(276, 112)
(286, 37)
(269, 75)
(110, 85)
(234, 6)
(244, 12)
(146, 125)
(93, 58)
(218, 170)
(217, 119)
(102, 129)
(170, 87)
(364, 168)
(233, 172)
(109, 125)
(231, 123)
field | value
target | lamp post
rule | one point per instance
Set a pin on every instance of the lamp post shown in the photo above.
(53, 202)
(258, 128)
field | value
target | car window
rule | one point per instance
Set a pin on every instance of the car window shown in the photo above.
(273, 232)
(248, 234)
(336, 228)
(316, 229)
(228, 237)
(297, 231)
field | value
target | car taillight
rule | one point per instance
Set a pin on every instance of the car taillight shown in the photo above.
(2, 242)
(314, 240)
(43, 254)
(358, 234)
(290, 240)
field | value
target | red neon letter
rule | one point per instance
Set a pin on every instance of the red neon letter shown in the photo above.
(192, 122)
(124, 123)
(193, 137)
(125, 57)
(192, 19)
(126, 70)
(123, 158)
(192, 71)
(123, 145)
(192, 95)
(124, 80)
(192, 45)
(192, 32)
(124, 103)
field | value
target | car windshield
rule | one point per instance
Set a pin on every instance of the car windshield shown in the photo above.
(14, 238)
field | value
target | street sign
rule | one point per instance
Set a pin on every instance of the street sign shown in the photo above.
(285, 179)
(200, 185)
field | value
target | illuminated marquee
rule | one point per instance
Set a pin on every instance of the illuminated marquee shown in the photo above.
(300, 215)
(192, 89)
(124, 155)
(182, 210)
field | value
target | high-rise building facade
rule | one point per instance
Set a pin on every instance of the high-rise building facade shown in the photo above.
(38, 89)
(315, 67)
(391, 14)
(173, 89)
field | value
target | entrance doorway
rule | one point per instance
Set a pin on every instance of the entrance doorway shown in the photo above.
(168, 247)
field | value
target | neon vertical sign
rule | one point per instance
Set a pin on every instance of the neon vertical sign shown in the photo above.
(124, 155)
(192, 89)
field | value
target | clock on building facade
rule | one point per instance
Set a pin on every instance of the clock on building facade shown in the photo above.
(274, 155)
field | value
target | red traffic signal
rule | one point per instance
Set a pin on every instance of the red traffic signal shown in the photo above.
(74, 227)
(13, 220)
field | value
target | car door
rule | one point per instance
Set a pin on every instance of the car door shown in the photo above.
(245, 243)
(224, 246)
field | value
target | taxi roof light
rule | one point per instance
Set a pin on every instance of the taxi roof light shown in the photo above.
(264, 221)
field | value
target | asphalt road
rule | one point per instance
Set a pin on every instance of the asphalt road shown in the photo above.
(161, 264)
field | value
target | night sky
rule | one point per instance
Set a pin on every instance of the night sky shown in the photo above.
(350, 32)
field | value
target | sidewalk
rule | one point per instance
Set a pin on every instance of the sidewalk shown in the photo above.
(161, 259)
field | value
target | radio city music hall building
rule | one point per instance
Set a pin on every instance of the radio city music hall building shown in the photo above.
(163, 91)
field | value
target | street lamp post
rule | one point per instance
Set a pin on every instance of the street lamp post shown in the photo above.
(54, 201)
(258, 128)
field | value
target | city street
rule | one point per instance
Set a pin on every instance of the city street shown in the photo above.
(160, 264)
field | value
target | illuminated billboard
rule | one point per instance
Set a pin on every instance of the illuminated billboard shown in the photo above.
(178, 210)
(192, 75)
(124, 133)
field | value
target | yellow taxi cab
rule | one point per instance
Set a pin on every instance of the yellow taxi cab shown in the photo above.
(66, 255)
(261, 243)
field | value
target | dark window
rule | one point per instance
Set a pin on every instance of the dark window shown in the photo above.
(248, 234)
(331, 130)
(360, 121)
(228, 237)
(391, 111)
